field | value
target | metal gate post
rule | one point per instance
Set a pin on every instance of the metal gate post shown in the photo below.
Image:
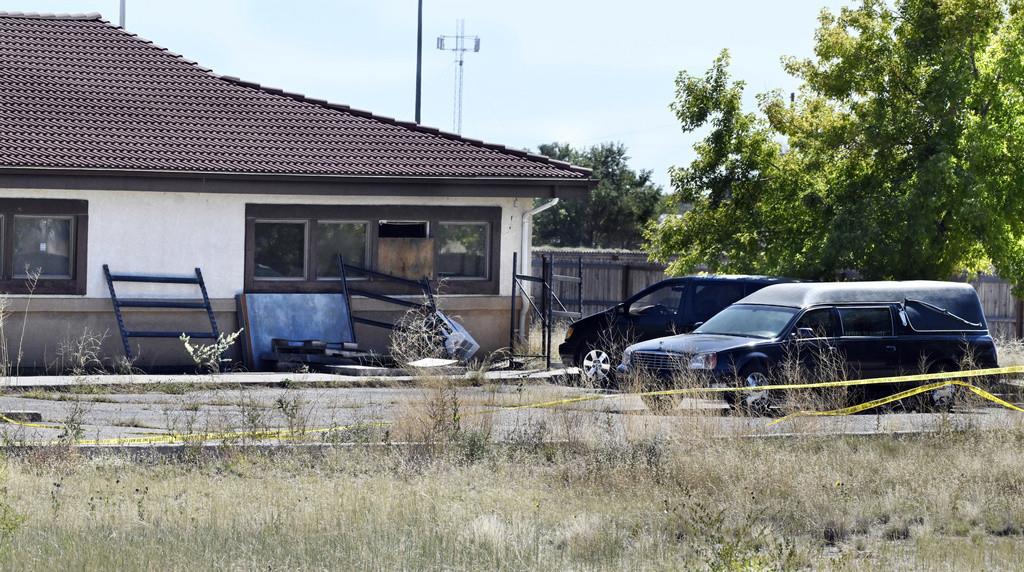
(512, 315)
(579, 287)
(549, 284)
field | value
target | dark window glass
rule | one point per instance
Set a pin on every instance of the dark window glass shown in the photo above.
(42, 245)
(345, 238)
(866, 321)
(752, 321)
(664, 300)
(280, 250)
(462, 250)
(711, 298)
(823, 321)
(402, 229)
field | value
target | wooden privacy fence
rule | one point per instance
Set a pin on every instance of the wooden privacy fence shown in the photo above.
(1003, 311)
(610, 276)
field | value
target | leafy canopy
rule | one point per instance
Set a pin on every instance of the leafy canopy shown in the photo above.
(613, 215)
(902, 155)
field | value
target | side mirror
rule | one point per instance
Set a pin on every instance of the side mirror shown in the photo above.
(803, 333)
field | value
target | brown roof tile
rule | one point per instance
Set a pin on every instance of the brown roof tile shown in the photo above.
(79, 93)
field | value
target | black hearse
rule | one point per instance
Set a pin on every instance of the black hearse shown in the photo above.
(876, 328)
(672, 306)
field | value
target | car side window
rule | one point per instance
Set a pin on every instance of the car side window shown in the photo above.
(822, 321)
(664, 300)
(866, 321)
(711, 298)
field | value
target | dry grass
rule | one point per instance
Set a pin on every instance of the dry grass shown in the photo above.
(950, 501)
(1011, 351)
(575, 489)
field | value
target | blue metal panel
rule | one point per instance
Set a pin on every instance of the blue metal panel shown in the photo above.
(325, 317)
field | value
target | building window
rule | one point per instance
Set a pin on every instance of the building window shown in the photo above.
(295, 248)
(280, 250)
(43, 246)
(402, 229)
(348, 239)
(462, 250)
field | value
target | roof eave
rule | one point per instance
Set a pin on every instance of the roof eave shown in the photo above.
(286, 183)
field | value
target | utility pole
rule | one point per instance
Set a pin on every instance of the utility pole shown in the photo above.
(457, 44)
(122, 14)
(419, 58)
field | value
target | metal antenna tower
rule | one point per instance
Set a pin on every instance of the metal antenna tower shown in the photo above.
(122, 10)
(457, 44)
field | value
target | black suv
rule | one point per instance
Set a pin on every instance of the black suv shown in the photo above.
(875, 329)
(672, 306)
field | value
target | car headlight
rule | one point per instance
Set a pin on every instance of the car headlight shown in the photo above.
(627, 357)
(704, 361)
(568, 333)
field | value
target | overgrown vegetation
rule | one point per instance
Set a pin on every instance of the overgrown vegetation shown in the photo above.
(207, 357)
(951, 501)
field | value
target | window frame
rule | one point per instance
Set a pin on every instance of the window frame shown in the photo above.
(833, 312)
(886, 307)
(696, 285)
(427, 227)
(305, 248)
(372, 215)
(78, 212)
(487, 249)
(71, 246)
(366, 248)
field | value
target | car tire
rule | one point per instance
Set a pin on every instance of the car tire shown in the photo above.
(930, 402)
(940, 400)
(595, 365)
(755, 403)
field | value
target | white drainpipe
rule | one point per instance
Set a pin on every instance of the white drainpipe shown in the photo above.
(525, 255)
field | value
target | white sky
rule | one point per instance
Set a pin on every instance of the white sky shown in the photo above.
(575, 71)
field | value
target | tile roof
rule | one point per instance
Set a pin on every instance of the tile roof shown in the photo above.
(79, 93)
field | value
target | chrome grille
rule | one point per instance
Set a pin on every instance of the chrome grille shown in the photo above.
(659, 360)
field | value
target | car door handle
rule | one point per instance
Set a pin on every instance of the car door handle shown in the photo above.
(890, 348)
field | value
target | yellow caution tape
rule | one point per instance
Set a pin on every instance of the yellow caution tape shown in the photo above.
(281, 434)
(989, 372)
(898, 396)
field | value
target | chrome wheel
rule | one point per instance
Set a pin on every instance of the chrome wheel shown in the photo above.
(943, 398)
(596, 365)
(756, 402)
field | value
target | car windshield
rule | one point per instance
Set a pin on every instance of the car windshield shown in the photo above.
(748, 321)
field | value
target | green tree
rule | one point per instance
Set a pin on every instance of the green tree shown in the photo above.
(900, 157)
(613, 215)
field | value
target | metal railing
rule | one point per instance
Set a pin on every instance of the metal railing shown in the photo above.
(549, 308)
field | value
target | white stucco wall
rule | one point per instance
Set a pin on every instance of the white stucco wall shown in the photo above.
(172, 233)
